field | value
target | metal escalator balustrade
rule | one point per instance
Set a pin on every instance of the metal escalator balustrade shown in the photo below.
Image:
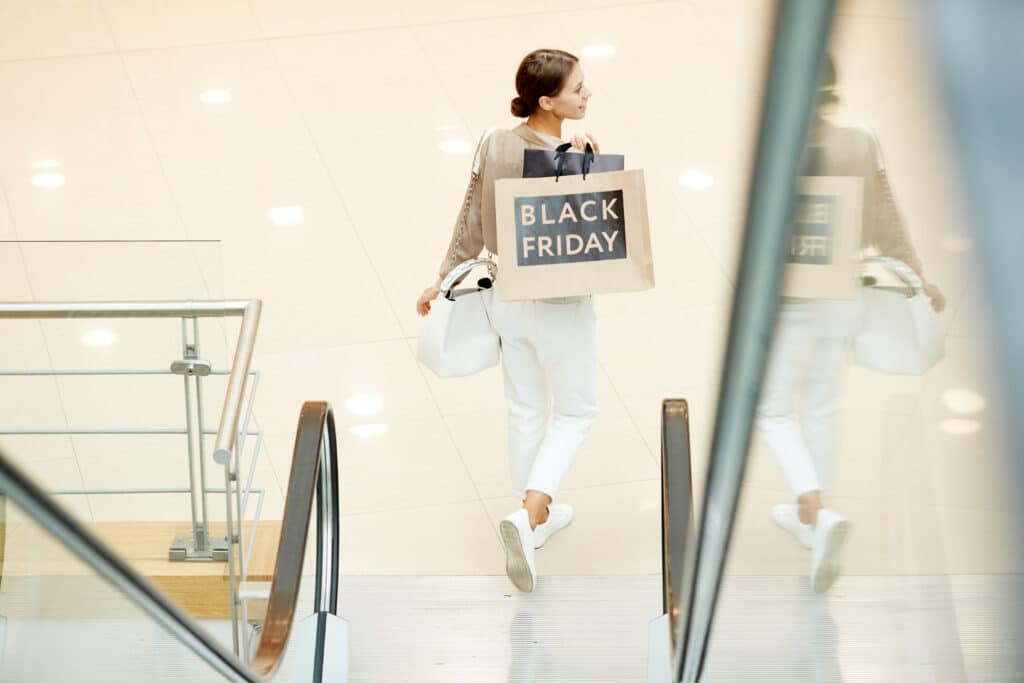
(798, 48)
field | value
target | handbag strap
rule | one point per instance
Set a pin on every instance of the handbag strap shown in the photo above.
(900, 270)
(460, 271)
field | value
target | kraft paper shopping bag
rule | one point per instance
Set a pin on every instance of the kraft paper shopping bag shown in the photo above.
(573, 236)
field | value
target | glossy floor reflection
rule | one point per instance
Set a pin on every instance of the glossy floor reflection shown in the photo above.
(594, 629)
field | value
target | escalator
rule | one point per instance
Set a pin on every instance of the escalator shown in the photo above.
(50, 630)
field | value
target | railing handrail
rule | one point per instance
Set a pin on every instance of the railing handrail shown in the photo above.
(124, 309)
(248, 309)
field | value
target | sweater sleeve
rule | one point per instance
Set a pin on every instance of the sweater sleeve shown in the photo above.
(883, 226)
(468, 235)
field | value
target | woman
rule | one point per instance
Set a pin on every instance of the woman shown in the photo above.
(796, 414)
(548, 350)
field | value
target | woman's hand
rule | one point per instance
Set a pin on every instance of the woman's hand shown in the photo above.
(937, 299)
(580, 142)
(428, 295)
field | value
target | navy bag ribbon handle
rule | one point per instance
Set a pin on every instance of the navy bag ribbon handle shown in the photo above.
(560, 154)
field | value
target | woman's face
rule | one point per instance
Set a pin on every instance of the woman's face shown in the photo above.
(571, 102)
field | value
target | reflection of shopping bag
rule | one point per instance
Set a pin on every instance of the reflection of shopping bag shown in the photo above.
(541, 163)
(900, 332)
(573, 235)
(826, 235)
(457, 338)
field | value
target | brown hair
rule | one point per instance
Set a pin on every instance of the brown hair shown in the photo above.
(542, 73)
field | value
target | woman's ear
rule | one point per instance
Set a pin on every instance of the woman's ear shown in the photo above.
(545, 103)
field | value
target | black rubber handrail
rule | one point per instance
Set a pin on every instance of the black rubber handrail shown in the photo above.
(314, 471)
(677, 522)
(314, 474)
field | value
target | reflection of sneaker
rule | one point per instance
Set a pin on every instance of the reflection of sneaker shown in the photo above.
(788, 517)
(517, 537)
(559, 517)
(829, 535)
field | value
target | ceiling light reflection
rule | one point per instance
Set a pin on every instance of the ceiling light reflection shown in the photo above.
(48, 180)
(960, 427)
(696, 179)
(963, 401)
(286, 215)
(601, 51)
(365, 404)
(456, 147)
(99, 338)
(369, 431)
(215, 97)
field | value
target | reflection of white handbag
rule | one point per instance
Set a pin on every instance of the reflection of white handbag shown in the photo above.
(900, 332)
(457, 337)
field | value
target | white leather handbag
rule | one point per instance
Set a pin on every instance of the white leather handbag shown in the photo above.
(457, 337)
(900, 333)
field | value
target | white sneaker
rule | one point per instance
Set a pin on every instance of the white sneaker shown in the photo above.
(517, 537)
(829, 535)
(559, 517)
(788, 517)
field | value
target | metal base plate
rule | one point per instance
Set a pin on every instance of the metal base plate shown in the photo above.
(183, 550)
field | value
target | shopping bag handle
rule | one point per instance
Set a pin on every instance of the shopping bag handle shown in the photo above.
(560, 154)
(460, 271)
(900, 269)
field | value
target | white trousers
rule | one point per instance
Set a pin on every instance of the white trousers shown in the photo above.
(796, 415)
(548, 357)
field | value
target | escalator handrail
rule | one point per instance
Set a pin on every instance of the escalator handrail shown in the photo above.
(678, 538)
(314, 472)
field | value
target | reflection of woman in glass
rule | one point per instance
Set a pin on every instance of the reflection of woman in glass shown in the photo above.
(547, 346)
(797, 411)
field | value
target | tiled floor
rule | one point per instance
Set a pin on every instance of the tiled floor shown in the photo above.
(457, 629)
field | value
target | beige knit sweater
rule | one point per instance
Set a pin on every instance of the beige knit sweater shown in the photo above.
(501, 156)
(854, 151)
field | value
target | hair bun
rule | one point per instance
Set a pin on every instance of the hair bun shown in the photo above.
(519, 107)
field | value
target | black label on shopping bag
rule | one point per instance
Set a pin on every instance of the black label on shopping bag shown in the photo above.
(814, 230)
(590, 226)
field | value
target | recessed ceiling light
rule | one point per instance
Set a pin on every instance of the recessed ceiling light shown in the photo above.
(696, 179)
(601, 51)
(960, 426)
(215, 97)
(963, 401)
(286, 215)
(99, 338)
(365, 404)
(48, 163)
(369, 431)
(456, 147)
(48, 180)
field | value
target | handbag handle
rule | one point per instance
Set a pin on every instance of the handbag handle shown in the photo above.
(904, 272)
(560, 155)
(460, 271)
